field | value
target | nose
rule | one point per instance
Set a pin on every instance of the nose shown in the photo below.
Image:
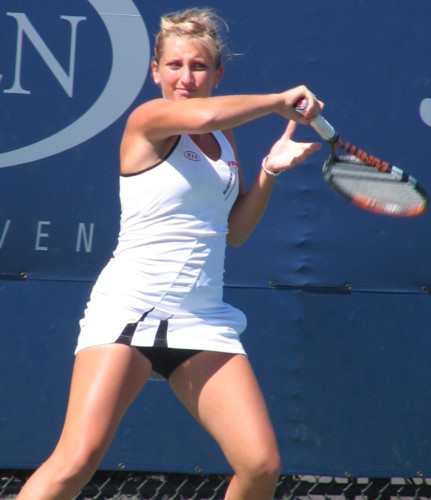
(186, 74)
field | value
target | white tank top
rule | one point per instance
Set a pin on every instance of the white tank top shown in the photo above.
(170, 255)
(174, 225)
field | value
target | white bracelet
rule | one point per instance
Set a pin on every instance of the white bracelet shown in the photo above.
(268, 172)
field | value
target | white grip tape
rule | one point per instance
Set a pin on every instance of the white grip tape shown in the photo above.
(323, 128)
(320, 125)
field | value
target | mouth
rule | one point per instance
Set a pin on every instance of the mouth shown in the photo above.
(185, 92)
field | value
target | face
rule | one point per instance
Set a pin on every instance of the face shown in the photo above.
(186, 69)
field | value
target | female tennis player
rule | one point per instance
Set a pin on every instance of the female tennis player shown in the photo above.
(157, 310)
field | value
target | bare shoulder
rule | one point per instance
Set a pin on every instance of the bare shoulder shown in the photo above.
(159, 119)
(142, 116)
(228, 133)
(139, 149)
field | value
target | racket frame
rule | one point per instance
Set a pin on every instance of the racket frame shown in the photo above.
(328, 133)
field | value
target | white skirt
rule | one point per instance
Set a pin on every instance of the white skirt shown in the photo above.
(119, 301)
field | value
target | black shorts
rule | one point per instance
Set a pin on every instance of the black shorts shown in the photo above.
(165, 360)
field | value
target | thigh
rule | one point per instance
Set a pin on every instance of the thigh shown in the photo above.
(105, 381)
(222, 392)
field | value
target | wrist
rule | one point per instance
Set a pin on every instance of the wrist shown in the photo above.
(268, 171)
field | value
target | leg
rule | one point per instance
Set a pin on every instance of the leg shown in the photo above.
(222, 393)
(105, 380)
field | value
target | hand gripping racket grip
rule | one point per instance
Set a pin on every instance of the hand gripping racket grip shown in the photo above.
(320, 125)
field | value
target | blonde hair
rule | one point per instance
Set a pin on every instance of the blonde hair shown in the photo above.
(201, 24)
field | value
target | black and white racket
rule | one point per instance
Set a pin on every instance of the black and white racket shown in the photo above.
(365, 180)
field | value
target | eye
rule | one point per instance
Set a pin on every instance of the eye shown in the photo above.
(199, 67)
(173, 65)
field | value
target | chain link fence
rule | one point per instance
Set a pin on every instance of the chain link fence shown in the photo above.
(121, 485)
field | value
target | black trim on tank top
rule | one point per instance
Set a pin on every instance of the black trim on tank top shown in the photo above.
(156, 164)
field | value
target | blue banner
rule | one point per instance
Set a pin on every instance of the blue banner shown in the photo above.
(338, 296)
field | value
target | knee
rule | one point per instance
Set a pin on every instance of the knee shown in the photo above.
(76, 468)
(269, 468)
(263, 468)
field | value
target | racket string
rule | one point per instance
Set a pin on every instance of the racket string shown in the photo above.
(388, 193)
(371, 160)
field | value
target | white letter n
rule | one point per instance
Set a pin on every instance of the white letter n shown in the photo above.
(24, 26)
(83, 236)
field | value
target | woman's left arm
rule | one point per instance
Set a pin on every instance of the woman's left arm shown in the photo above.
(250, 205)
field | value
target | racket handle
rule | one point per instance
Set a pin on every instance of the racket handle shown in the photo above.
(320, 125)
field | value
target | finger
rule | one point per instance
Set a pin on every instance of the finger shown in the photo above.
(314, 146)
(290, 130)
(310, 148)
(314, 108)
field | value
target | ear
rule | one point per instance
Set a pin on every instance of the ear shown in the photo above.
(220, 71)
(155, 72)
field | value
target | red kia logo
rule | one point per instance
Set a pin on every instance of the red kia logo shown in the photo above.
(191, 155)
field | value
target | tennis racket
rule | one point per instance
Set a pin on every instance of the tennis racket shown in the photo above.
(367, 181)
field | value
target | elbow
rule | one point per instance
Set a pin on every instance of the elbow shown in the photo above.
(206, 122)
(236, 241)
(235, 244)
(206, 119)
(238, 232)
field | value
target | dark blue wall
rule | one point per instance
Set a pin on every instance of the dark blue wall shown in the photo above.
(344, 369)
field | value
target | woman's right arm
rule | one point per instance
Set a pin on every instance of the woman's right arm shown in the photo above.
(150, 128)
(163, 118)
